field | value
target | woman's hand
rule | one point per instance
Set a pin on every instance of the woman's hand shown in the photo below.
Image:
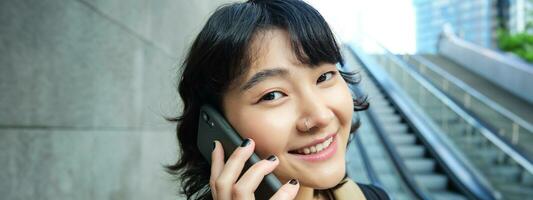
(224, 183)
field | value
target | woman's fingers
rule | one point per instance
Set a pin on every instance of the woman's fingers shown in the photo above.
(224, 175)
(217, 164)
(248, 183)
(232, 169)
(287, 191)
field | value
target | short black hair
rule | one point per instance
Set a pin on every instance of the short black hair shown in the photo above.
(220, 54)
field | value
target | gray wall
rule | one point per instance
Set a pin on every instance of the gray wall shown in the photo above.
(84, 87)
(511, 74)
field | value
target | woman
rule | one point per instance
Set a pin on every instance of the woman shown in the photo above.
(270, 68)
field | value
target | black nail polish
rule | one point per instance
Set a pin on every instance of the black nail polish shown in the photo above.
(214, 145)
(293, 182)
(246, 142)
(272, 158)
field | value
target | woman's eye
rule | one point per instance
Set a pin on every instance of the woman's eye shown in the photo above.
(325, 76)
(271, 96)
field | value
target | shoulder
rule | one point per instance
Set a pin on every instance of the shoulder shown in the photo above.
(372, 192)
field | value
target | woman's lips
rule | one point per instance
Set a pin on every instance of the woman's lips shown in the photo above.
(322, 155)
(313, 143)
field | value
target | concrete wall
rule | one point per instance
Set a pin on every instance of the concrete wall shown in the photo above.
(511, 74)
(84, 87)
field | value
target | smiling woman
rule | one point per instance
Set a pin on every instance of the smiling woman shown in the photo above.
(270, 67)
(300, 106)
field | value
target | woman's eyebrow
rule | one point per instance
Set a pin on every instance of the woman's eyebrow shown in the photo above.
(263, 75)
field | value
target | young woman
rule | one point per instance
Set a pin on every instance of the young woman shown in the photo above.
(270, 68)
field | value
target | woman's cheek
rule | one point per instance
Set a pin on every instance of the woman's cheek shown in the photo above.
(264, 129)
(341, 100)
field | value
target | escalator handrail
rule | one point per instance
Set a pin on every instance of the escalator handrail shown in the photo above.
(473, 92)
(459, 172)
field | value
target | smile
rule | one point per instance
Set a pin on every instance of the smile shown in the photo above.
(319, 152)
(317, 148)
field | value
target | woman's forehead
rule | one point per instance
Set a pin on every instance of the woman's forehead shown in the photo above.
(271, 47)
(270, 54)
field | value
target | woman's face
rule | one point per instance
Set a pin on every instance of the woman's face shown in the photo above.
(284, 105)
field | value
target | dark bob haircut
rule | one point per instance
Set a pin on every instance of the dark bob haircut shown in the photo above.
(220, 55)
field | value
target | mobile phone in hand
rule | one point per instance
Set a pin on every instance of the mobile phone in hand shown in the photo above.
(213, 126)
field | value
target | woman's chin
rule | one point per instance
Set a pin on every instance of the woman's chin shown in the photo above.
(325, 179)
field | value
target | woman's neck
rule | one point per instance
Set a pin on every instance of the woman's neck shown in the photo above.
(306, 193)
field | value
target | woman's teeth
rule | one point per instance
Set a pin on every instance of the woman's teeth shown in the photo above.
(317, 148)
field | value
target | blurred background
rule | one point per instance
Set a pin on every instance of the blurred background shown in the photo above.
(85, 86)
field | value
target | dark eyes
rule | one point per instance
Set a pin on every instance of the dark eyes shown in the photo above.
(272, 96)
(326, 76)
(277, 94)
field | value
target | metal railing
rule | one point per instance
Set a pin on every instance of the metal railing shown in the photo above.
(507, 123)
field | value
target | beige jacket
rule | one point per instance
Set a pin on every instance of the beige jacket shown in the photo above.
(348, 190)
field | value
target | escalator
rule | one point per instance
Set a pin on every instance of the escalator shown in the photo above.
(506, 165)
(406, 165)
(503, 171)
(366, 142)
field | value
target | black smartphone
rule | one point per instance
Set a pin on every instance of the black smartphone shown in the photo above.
(213, 126)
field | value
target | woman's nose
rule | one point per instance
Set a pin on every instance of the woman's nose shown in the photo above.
(316, 114)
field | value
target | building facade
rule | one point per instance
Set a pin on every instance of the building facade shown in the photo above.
(475, 21)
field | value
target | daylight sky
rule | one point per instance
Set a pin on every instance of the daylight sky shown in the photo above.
(391, 22)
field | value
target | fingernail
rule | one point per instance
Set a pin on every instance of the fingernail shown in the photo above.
(293, 182)
(272, 158)
(246, 142)
(214, 145)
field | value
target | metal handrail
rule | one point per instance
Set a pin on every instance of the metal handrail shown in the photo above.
(470, 183)
(521, 159)
(473, 92)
